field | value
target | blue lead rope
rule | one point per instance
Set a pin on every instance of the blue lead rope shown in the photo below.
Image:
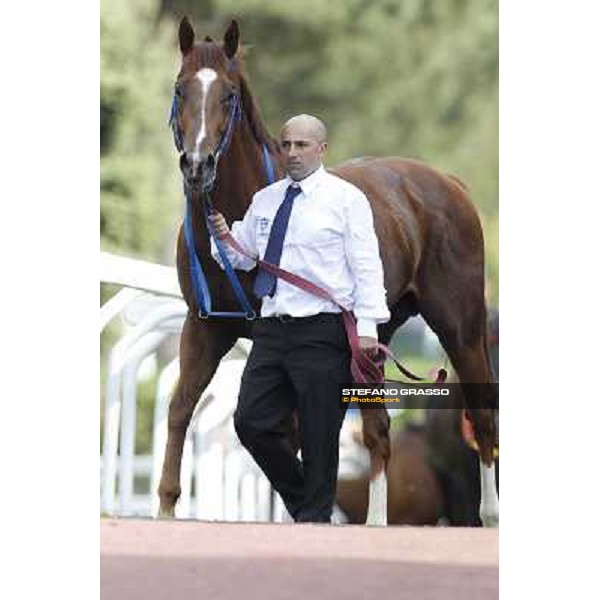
(174, 125)
(238, 290)
(199, 282)
(268, 165)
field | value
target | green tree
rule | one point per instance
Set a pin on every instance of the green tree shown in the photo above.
(139, 183)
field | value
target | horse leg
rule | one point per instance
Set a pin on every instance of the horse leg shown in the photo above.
(202, 345)
(375, 427)
(462, 331)
(489, 508)
(471, 365)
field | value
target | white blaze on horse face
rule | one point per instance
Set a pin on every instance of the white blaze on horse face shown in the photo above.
(206, 78)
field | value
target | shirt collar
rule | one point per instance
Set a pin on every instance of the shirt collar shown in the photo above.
(308, 184)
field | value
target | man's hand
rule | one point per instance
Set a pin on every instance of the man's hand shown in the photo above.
(368, 345)
(218, 222)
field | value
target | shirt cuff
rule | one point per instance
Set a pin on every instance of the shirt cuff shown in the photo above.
(366, 328)
(215, 252)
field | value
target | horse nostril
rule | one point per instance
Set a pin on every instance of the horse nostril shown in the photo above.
(210, 161)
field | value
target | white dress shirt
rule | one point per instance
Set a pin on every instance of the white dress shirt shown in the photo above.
(330, 241)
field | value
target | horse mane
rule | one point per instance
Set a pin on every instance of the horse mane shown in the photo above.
(211, 54)
(255, 121)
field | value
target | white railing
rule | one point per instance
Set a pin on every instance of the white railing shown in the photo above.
(228, 485)
(139, 274)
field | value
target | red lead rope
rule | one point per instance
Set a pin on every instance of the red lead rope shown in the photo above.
(364, 369)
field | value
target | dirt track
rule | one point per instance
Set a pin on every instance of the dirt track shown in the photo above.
(148, 560)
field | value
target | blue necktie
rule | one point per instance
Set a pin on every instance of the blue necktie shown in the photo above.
(265, 283)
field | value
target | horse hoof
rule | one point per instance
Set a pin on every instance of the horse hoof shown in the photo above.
(166, 513)
(490, 520)
(376, 521)
(338, 517)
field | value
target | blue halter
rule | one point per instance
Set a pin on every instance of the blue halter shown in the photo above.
(198, 279)
(174, 124)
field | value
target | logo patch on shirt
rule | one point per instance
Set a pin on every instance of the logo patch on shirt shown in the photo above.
(262, 227)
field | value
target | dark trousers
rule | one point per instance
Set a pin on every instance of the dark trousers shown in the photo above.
(297, 365)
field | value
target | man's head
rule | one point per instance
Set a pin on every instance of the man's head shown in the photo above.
(304, 142)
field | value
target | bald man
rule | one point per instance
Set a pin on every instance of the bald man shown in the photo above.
(321, 228)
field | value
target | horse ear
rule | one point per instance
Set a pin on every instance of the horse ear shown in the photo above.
(231, 39)
(186, 36)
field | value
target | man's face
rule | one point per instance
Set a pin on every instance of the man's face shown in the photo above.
(302, 150)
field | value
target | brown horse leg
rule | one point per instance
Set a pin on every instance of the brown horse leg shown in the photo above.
(202, 345)
(472, 366)
(376, 425)
(451, 299)
(463, 334)
(466, 360)
(375, 428)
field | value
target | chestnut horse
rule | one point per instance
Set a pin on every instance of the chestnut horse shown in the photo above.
(429, 234)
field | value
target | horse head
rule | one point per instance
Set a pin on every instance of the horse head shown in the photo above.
(206, 104)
